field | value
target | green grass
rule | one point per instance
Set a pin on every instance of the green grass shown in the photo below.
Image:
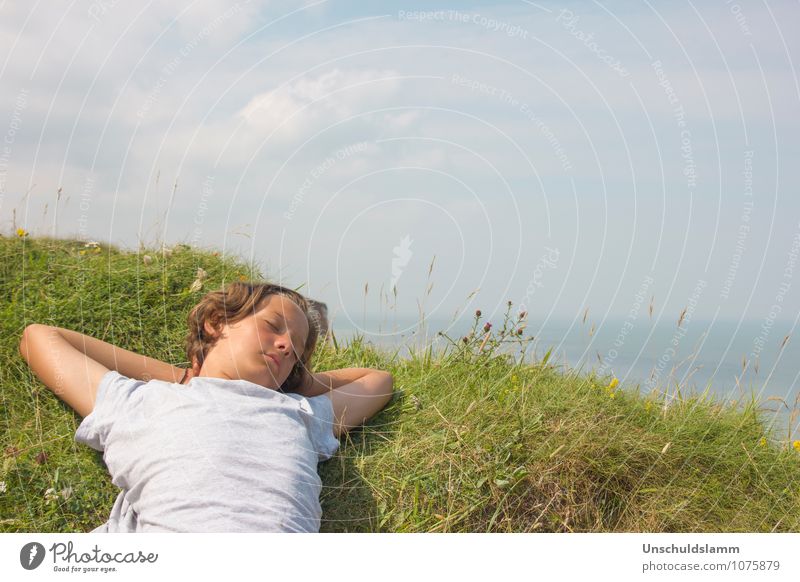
(471, 441)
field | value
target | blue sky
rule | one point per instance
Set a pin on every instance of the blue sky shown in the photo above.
(555, 155)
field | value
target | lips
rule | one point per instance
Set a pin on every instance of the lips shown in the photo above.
(274, 358)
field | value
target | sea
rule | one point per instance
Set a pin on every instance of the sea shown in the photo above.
(735, 361)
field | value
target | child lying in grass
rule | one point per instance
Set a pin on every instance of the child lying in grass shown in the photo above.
(231, 445)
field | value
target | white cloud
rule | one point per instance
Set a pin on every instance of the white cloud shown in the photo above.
(322, 100)
(293, 82)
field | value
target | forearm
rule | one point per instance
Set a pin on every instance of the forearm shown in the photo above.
(125, 362)
(322, 382)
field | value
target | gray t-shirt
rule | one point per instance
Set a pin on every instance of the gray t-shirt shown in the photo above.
(213, 455)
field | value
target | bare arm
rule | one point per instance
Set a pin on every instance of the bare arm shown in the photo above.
(357, 402)
(71, 364)
(357, 394)
(125, 362)
(64, 369)
(323, 382)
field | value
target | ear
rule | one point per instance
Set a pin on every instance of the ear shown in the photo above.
(209, 329)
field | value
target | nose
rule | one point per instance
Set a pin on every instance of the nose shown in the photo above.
(284, 343)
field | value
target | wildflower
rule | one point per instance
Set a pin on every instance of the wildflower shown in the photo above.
(147, 259)
(198, 283)
(82, 252)
(2, 486)
(66, 492)
(648, 406)
(519, 331)
(50, 495)
(22, 233)
(465, 339)
(796, 445)
(610, 388)
(522, 314)
(242, 278)
(763, 441)
(477, 313)
(166, 252)
(509, 303)
(487, 327)
(92, 244)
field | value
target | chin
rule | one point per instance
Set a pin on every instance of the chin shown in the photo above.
(271, 383)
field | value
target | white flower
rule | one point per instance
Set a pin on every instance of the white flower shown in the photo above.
(50, 494)
(198, 283)
(92, 244)
(2, 486)
(147, 259)
(66, 492)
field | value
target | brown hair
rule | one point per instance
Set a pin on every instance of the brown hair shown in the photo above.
(233, 303)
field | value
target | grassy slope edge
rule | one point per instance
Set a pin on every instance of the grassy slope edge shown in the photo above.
(471, 442)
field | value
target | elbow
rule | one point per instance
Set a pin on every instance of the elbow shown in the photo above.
(388, 387)
(23, 342)
(28, 338)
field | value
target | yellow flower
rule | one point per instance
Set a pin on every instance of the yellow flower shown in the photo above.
(242, 278)
(614, 383)
(612, 394)
(22, 233)
(648, 406)
(763, 441)
(796, 445)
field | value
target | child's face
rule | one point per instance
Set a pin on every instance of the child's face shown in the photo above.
(279, 329)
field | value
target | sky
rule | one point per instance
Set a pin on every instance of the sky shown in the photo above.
(445, 156)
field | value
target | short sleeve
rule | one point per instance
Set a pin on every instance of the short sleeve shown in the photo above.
(116, 397)
(320, 424)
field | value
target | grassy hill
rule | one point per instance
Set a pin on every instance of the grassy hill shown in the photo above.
(471, 442)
